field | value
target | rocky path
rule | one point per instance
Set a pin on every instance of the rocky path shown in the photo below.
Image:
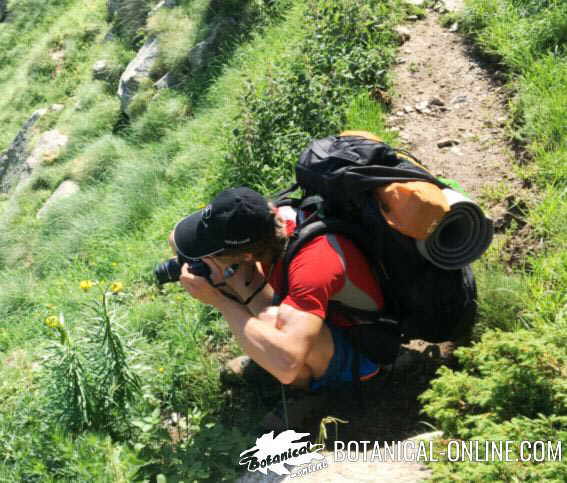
(449, 109)
(450, 112)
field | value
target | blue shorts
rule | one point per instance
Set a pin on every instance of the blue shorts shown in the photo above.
(340, 366)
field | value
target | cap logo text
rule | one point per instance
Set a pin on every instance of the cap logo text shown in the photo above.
(237, 242)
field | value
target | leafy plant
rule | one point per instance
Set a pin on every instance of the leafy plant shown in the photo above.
(89, 381)
(347, 49)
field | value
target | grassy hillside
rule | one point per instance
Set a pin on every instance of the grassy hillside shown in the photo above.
(96, 358)
(98, 362)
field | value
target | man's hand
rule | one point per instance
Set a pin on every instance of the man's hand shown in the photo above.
(199, 287)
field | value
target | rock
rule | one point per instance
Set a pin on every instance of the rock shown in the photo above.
(418, 3)
(64, 190)
(138, 69)
(403, 34)
(423, 107)
(408, 109)
(454, 27)
(166, 82)
(49, 146)
(57, 107)
(3, 9)
(57, 55)
(199, 54)
(501, 120)
(447, 143)
(453, 5)
(12, 160)
(435, 101)
(163, 4)
(101, 70)
(413, 18)
(459, 100)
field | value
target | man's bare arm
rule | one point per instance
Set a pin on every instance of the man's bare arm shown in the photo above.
(279, 340)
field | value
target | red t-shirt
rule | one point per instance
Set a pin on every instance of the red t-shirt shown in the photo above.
(329, 267)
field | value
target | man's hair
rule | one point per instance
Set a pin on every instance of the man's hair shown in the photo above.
(273, 243)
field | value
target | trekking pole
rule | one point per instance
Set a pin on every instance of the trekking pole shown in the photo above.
(284, 404)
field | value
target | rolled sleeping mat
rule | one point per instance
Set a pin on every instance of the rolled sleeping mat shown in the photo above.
(461, 237)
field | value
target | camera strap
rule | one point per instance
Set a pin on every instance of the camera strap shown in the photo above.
(251, 297)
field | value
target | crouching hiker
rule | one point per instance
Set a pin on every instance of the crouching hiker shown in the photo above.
(294, 333)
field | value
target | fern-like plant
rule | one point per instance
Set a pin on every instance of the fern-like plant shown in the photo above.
(90, 383)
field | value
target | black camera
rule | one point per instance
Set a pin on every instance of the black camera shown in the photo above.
(170, 270)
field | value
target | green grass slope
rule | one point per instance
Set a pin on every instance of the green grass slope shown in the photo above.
(95, 357)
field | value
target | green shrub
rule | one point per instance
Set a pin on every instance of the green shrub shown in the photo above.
(512, 386)
(347, 48)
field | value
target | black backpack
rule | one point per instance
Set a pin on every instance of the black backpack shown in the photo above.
(337, 175)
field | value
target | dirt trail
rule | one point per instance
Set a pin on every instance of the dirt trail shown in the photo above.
(450, 111)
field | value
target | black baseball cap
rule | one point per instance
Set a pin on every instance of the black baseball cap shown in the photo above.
(236, 217)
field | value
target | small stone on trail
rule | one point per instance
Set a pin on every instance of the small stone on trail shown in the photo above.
(422, 107)
(459, 100)
(57, 107)
(408, 109)
(447, 143)
(435, 101)
(403, 34)
(413, 18)
(454, 27)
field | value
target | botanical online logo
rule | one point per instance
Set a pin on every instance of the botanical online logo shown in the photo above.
(286, 448)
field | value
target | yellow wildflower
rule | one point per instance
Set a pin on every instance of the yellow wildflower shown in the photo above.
(162, 370)
(86, 285)
(117, 287)
(52, 322)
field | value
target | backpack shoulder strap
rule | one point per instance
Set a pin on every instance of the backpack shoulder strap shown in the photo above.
(303, 234)
(307, 231)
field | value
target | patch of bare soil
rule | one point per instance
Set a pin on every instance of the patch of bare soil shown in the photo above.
(449, 108)
(449, 111)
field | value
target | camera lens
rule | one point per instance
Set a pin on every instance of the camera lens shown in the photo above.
(168, 271)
